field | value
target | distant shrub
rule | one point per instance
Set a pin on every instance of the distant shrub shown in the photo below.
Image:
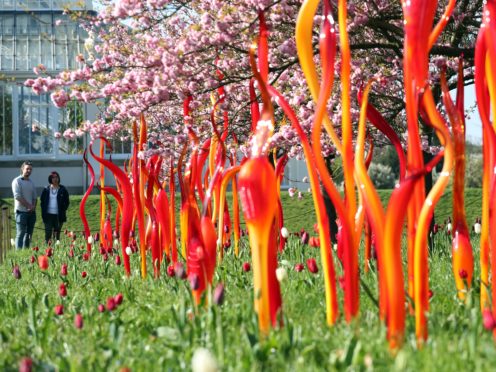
(382, 176)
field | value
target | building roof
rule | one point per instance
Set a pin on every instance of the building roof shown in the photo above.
(33, 5)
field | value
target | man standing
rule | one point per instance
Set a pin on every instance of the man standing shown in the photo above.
(25, 197)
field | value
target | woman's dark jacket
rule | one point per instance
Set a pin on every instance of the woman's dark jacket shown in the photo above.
(62, 202)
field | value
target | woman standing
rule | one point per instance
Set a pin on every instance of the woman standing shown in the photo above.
(54, 203)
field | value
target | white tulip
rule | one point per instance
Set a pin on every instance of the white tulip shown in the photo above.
(129, 251)
(281, 274)
(90, 240)
(204, 361)
(284, 233)
(477, 228)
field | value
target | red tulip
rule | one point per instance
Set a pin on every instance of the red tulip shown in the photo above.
(488, 320)
(71, 252)
(26, 365)
(299, 267)
(63, 269)
(36, 249)
(58, 310)
(246, 267)
(32, 259)
(43, 262)
(86, 256)
(49, 252)
(312, 266)
(62, 290)
(119, 298)
(118, 260)
(101, 308)
(170, 271)
(84, 274)
(111, 305)
(314, 242)
(463, 274)
(78, 321)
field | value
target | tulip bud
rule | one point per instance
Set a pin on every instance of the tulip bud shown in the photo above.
(16, 272)
(281, 274)
(488, 320)
(111, 305)
(118, 298)
(84, 274)
(284, 233)
(58, 310)
(62, 290)
(246, 267)
(463, 274)
(63, 269)
(312, 266)
(57, 242)
(179, 270)
(219, 294)
(194, 282)
(26, 365)
(43, 262)
(299, 267)
(36, 249)
(305, 237)
(78, 321)
(118, 260)
(203, 360)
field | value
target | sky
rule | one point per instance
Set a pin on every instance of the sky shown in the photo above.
(473, 123)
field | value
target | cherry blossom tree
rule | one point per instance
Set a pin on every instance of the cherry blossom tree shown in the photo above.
(147, 56)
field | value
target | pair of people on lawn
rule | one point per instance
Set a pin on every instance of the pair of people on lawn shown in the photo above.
(54, 203)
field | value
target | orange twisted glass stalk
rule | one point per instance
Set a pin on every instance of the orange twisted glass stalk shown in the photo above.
(227, 176)
(102, 192)
(489, 34)
(327, 45)
(371, 201)
(138, 200)
(127, 197)
(257, 189)
(258, 194)
(393, 263)
(421, 274)
(82, 205)
(418, 17)
(172, 212)
(162, 206)
(463, 259)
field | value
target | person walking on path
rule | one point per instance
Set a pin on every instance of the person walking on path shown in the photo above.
(25, 197)
(54, 203)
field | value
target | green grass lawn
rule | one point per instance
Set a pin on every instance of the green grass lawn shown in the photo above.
(157, 327)
(298, 214)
